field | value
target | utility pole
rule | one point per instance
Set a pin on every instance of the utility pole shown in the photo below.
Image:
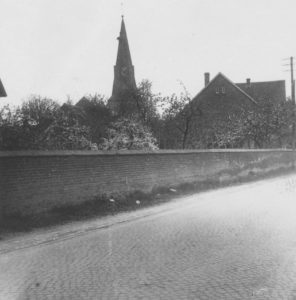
(291, 70)
(293, 100)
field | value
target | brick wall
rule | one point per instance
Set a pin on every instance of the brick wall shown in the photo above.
(37, 181)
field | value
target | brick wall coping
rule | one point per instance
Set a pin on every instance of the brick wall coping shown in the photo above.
(128, 152)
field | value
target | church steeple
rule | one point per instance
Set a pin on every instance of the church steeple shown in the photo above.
(123, 53)
(124, 75)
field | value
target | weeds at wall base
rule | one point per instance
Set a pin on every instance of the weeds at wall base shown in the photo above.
(102, 206)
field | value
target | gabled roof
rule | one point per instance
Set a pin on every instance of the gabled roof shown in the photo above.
(2, 90)
(269, 90)
(233, 84)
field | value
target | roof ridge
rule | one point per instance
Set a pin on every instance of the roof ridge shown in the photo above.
(234, 84)
(282, 80)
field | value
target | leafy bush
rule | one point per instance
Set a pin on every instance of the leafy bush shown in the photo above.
(128, 134)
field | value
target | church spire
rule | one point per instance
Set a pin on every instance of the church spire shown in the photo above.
(123, 54)
(124, 76)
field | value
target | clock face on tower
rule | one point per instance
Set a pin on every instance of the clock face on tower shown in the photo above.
(124, 71)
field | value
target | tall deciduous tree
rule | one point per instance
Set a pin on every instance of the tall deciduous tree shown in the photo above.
(95, 114)
(147, 103)
(40, 123)
(37, 114)
(270, 124)
(178, 115)
(65, 133)
(11, 137)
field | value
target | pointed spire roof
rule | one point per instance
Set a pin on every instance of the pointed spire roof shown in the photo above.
(124, 84)
(123, 54)
(2, 90)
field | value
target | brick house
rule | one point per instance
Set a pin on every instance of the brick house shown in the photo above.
(221, 101)
(221, 97)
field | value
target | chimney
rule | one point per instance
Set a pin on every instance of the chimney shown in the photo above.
(248, 81)
(207, 78)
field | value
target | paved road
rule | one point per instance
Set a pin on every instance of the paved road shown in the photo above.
(235, 243)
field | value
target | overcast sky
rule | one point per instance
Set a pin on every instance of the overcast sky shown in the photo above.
(60, 48)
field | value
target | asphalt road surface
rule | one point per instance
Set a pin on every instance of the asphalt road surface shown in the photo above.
(232, 243)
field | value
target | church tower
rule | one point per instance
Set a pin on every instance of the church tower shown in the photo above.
(124, 83)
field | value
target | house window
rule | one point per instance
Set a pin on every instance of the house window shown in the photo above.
(220, 90)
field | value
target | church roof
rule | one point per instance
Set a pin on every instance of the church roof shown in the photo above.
(123, 53)
(2, 90)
